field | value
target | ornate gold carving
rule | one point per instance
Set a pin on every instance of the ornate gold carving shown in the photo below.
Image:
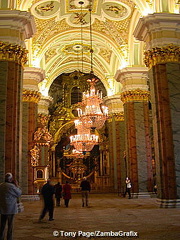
(136, 95)
(170, 53)
(34, 156)
(45, 8)
(105, 54)
(31, 96)
(118, 117)
(42, 120)
(14, 53)
(42, 136)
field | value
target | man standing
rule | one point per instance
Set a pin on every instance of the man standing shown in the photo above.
(85, 189)
(47, 193)
(9, 192)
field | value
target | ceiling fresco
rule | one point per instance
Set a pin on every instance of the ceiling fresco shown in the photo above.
(62, 39)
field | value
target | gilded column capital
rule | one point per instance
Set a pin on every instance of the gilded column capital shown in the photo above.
(14, 53)
(157, 55)
(136, 95)
(31, 96)
(118, 117)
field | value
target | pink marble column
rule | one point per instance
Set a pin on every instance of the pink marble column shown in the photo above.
(160, 32)
(15, 27)
(138, 152)
(115, 123)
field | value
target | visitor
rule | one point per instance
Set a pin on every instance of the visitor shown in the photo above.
(47, 192)
(155, 189)
(58, 193)
(66, 193)
(128, 187)
(9, 194)
(85, 189)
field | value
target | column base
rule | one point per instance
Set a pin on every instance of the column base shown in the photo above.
(142, 195)
(30, 197)
(169, 203)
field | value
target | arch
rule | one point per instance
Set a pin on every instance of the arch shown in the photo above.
(40, 174)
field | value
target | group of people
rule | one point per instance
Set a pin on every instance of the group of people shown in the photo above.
(10, 192)
(48, 191)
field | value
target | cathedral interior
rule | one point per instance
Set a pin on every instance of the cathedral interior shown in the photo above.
(125, 54)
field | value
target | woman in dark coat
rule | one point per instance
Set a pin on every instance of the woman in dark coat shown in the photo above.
(66, 193)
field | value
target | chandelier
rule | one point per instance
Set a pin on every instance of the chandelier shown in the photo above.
(92, 115)
(83, 141)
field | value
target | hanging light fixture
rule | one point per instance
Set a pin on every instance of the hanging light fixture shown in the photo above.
(92, 115)
(83, 141)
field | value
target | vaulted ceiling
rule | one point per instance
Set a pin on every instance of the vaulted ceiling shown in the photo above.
(62, 39)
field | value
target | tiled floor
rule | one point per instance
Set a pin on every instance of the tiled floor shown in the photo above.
(107, 214)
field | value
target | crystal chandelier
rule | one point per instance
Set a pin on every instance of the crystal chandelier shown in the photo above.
(83, 141)
(92, 115)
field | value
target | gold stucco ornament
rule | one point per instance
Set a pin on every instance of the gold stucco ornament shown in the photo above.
(160, 55)
(14, 53)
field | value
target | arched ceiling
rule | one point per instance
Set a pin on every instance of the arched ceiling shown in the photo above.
(60, 36)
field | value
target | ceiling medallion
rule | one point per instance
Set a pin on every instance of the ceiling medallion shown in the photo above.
(45, 9)
(76, 48)
(115, 10)
(76, 4)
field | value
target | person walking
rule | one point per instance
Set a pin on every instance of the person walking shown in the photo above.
(66, 193)
(9, 193)
(128, 187)
(85, 189)
(47, 192)
(58, 193)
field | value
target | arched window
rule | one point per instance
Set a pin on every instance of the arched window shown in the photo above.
(76, 95)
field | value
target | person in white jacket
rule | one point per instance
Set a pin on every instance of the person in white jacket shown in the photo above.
(9, 192)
